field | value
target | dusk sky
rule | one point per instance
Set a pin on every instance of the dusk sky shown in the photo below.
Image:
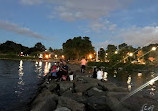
(52, 22)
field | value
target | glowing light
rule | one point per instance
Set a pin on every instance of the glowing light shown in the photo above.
(46, 56)
(116, 52)
(56, 56)
(153, 48)
(63, 56)
(90, 56)
(139, 74)
(130, 54)
(106, 54)
(140, 88)
(129, 80)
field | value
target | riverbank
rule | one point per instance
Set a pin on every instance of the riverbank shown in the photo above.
(82, 94)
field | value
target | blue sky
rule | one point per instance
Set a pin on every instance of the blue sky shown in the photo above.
(52, 22)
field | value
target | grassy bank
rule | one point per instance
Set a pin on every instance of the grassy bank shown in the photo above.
(15, 57)
(124, 66)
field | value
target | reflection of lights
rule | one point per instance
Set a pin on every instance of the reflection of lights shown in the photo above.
(151, 82)
(114, 75)
(38, 68)
(129, 87)
(139, 74)
(129, 83)
(140, 88)
(105, 76)
(21, 73)
(40, 64)
(129, 80)
(46, 68)
(153, 49)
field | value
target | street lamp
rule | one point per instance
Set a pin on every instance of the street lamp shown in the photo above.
(90, 56)
(63, 56)
(153, 48)
(130, 54)
(116, 52)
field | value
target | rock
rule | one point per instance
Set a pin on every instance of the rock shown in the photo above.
(97, 104)
(51, 86)
(83, 87)
(75, 96)
(108, 86)
(94, 92)
(62, 109)
(46, 103)
(65, 85)
(115, 104)
(118, 95)
(71, 104)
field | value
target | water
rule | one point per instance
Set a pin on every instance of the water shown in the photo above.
(142, 87)
(18, 83)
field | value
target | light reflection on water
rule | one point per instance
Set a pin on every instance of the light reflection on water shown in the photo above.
(132, 80)
(19, 81)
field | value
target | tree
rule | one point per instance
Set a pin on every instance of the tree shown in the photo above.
(101, 54)
(50, 49)
(39, 47)
(77, 47)
(10, 47)
(123, 45)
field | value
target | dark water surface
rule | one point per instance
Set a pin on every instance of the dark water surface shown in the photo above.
(18, 83)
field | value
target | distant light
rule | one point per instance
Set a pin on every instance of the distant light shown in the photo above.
(153, 48)
(90, 56)
(63, 56)
(56, 56)
(139, 74)
(116, 52)
(130, 54)
(106, 54)
(46, 56)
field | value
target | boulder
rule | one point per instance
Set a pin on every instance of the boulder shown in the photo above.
(65, 85)
(51, 86)
(46, 103)
(118, 95)
(62, 109)
(108, 86)
(115, 104)
(75, 96)
(94, 92)
(71, 104)
(79, 87)
(97, 104)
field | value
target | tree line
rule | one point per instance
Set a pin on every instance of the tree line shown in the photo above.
(127, 53)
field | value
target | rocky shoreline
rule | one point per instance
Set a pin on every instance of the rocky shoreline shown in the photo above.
(82, 94)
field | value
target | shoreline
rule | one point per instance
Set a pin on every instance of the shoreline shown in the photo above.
(78, 95)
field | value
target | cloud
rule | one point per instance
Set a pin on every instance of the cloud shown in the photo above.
(70, 10)
(11, 27)
(101, 25)
(140, 36)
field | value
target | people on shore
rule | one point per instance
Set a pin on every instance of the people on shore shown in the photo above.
(99, 74)
(94, 73)
(83, 65)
